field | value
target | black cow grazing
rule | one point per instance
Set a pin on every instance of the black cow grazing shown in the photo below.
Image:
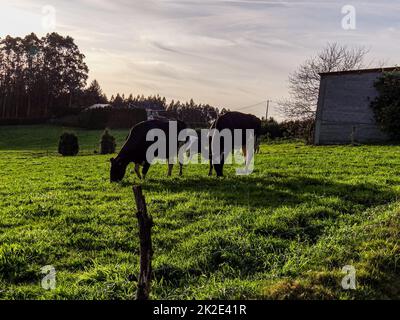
(199, 140)
(210, 147)
(232, 121)
(136, 146)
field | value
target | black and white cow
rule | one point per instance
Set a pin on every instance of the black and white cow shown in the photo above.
(136, 146)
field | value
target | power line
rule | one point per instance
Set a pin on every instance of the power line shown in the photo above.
(251, 106)
(268, 101)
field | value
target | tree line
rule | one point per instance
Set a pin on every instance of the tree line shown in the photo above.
(42, 78)
(38, 75)
(190, 112)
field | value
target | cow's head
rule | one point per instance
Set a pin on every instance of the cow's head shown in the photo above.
(117, 171)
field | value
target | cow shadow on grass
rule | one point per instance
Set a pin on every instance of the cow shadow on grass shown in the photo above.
(272, 191)
(323, 201)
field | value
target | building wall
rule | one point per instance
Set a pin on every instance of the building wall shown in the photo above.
(344, 109)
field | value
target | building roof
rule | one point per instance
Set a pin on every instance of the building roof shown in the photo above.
(360, 71)
(99, 106)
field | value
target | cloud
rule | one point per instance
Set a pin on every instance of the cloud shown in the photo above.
(229, 53)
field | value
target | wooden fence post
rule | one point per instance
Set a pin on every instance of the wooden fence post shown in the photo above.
(146, 251)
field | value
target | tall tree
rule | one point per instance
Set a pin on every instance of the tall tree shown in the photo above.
(93, 94)
(32, 72)
(304, 82)
(64, 66)
(39, 75)
(118, 102)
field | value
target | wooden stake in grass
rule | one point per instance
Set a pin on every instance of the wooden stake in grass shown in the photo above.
(146, 251)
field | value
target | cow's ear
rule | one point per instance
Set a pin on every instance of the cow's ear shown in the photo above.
(112, 160)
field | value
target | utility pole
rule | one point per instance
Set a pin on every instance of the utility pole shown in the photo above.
(266, 113)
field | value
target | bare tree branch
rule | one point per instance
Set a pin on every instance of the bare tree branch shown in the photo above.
(304, 82)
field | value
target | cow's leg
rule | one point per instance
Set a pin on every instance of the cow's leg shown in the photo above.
(248, 158)
(257, 146)
(210, 171)
(219, 168)
(180, 169)
(170, 167)
(137, 170)
(146, 167)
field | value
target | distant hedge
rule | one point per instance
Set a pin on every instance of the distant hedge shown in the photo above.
(299, 129)
(22, 121)
(296, 129)
(100, 118)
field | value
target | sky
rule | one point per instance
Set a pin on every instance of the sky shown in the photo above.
(228, 53)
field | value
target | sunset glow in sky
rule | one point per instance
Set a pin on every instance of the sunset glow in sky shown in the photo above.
(229, 53)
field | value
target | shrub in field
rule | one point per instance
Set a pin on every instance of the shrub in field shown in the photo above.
(107, 143)
(68, 144)
(386, 106)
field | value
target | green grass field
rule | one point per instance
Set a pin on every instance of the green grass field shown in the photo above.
(284, 232)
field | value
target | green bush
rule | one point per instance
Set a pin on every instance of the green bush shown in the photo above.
(290, 129)
(386, 106)
(271, 129)
(299, 129)
(68, 144)
(107, 143)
